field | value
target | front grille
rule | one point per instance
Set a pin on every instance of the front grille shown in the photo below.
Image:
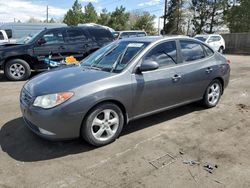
(26, 98)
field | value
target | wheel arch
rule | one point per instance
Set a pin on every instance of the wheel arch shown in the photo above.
(26, 58)
(116, 102)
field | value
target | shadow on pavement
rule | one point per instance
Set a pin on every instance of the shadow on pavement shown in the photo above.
(23, 145)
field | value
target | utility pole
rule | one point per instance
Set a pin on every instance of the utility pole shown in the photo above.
(165, 15)
(47, 14)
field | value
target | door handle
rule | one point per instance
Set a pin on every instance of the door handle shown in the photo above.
(209, 70)
(176, 78)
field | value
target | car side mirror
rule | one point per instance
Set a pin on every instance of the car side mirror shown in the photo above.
(148, 65)
(41, 41)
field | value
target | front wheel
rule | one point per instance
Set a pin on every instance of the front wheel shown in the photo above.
(212, 94)
(103, 124)
(17, 70)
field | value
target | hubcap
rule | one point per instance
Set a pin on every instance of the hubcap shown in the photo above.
(214, 93)
(17, 70)
(105, 125)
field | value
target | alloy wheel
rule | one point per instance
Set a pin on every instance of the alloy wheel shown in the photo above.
(17, 70)
(105, 125)
(213, 93)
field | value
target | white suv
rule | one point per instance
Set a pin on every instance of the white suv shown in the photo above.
(214, 40)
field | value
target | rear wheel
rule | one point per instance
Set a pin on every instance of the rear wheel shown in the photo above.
(103, 124)
(17, 70)
(212, 94)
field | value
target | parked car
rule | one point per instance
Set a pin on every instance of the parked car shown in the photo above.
(5, 37)
(123, 81)
(214, 40)
(17, 60)
(129, 34)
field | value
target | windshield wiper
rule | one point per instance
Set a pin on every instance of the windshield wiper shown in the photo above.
(170, 57)
(119, 59)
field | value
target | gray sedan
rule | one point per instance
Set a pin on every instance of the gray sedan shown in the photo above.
(121, 82)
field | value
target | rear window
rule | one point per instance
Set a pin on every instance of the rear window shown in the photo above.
(101, 34)
(141, 34)
(203, 39)
(76, 35)
(191, 50)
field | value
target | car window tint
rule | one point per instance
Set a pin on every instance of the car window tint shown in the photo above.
(191, 50)
(141, 34)
(164, 54)
(132, 34)
(53, 37)
(208, 50)
(214, 38)
(124, 35)
(101, 34)
(76, 35)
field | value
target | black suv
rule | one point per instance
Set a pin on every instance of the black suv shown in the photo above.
(17, 60)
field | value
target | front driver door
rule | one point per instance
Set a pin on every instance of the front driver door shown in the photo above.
(157, 89)
(53, 45)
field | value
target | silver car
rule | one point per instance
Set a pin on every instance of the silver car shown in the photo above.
(126, 80)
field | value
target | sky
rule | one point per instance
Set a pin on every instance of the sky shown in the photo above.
(24, 9)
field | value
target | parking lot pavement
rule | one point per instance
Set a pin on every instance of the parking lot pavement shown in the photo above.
(150, 152)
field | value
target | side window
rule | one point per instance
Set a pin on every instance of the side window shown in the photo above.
(214, 39)
(132, 35)
(141, 34)
(208, 50)
(191, 50)
(123, 35)
(101, 34)
(1, 36)
(53, 37)
(164, 54)
(76, 35)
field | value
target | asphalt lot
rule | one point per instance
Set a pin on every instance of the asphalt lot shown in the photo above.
(150, 152)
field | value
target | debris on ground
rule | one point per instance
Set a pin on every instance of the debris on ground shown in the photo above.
(163, 161)
(191, 162)
(210, 168)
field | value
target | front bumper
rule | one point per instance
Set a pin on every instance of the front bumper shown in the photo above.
(52, 124)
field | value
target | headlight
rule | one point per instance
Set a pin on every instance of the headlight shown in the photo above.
(52, 100)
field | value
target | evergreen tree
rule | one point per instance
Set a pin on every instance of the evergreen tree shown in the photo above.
(174, 17)
(90, 15)
(119, 19)
(75, 15)
(145, 22)
(104, 17)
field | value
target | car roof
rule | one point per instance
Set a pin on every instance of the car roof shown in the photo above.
(152, 39)
(207, 35)
(77, 27)
(131, 31)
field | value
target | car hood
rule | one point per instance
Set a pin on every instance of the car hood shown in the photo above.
(12, 46)
(63, 79)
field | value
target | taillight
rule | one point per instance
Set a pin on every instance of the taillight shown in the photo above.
(228, 61)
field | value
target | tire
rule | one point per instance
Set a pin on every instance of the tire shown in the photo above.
(17, 70)
(221, 50)
(99, 130)
(212, 94)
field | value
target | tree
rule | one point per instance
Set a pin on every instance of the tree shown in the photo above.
(75, 15)
(208, 15)
(119, 19)
(104, 17)
(90, 15)
(201, 15)
(174, 17)
(145, 22)
(238, 17)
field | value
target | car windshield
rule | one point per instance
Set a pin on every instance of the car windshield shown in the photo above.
(27, 39)
(201, 38)
(114, 57)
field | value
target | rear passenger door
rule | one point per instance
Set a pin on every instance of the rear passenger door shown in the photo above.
(78, 43)
(194, 70)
